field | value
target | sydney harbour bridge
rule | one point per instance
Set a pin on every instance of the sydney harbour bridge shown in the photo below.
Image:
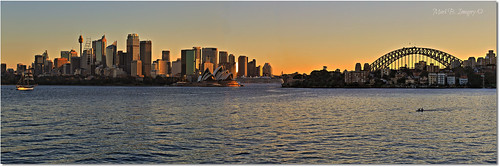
(411, 55)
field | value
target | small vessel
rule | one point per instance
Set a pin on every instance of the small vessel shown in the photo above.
(420, 110)
(24, 82)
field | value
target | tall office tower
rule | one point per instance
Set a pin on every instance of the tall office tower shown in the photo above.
(231, 59)
(65, 54)
(133, 49)
(136, 68)
(20, 68)
(232, 65)
(209, 55)
(242, 66)
(222, 57)
(366, 67)
(176, 68)
(75, 64)
(358, 67)
(188, 62)
(161, 67)
(165, 56)
(120, 62)
(267, 70)
(58, 62)
(86, 62)
(111, 55)
(258, 71)
(251, 68)
(491, 57)
(99, 47)
(38, 65)
(197, 51)
(80, 40)
(146, 57)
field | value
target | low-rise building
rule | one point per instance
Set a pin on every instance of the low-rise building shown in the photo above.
(441, 78)
(463, 80)
(432, 78)
(356, 77)
(450, 80)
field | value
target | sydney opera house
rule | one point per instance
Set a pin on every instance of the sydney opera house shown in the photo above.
(219, 78)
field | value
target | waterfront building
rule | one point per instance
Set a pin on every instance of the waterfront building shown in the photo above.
(86, 62)
(136, 68)
(161, 67)
(450, 80)
(358, 67)
(176, 68)
(188, 62)
(366, 67)
(165, 56)
(258, 71)
(38, 65)
(146, 54)
(209, 55)
(441, 79)
(223, 57)
(242, 66)
(432, 78)
(267, 70)
(111, 55)
(199, 65)
(359, 77)
(251, 67)
(99, 47)
(463, 80)
(231, 58)
(133, 48)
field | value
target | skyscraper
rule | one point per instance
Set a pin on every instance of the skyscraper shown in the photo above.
(99, 47)
(188, 62)
(222, 57)
(165, 56)
(111, 55)
(267, 70)
(133, 46)
(251, 68)
(242, 66)
(209, 55)
(136, 68)
(145, 54)
(197, 51)
(65, 54)
(73, 53)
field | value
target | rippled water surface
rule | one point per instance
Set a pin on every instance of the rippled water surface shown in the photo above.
(252, 124)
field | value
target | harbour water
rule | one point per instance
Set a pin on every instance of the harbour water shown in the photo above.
(259, 123)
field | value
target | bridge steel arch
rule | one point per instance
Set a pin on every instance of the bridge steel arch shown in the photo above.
(387, 59)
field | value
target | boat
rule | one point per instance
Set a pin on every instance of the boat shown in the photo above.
(24, 82)
(420, 110)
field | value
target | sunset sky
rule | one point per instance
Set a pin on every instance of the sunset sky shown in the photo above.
(291, 36)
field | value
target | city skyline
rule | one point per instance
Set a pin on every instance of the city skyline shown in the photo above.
(333, 34)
